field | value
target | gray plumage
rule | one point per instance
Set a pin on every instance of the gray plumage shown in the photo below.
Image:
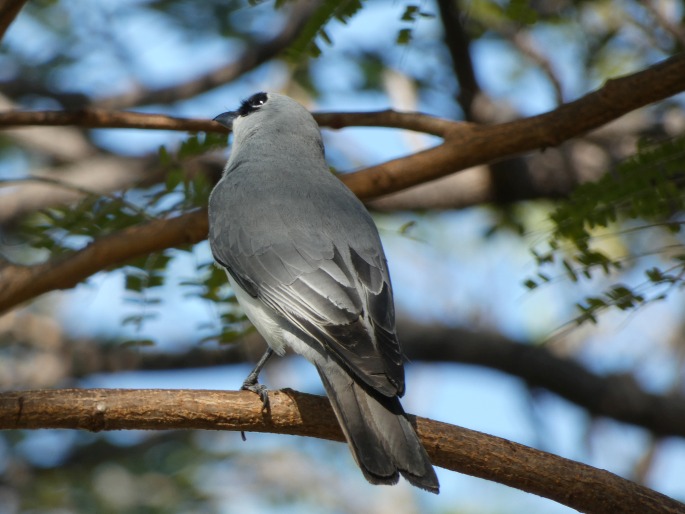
(306, 262)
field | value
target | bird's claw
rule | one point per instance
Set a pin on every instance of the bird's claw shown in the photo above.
(258, 388)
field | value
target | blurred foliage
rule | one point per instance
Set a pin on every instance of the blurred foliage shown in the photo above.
(647, 189)
(155, 473)
(306, 44)
(65, 229)
(71, 54)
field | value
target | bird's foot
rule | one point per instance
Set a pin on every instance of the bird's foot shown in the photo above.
(252, 381)
(251, 384)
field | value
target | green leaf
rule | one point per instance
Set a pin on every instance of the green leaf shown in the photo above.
(647, 187)
(134, 282)
(410, 13)
(404, 37)
(569, 270)
(305, 43)
(406, 227)
(173, 178)
(137, 343)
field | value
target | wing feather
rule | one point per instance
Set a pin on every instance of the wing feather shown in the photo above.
(328, 282)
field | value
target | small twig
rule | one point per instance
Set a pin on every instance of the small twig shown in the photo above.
(78, 189)
(253, 56)
(522, 41)
(676, 31)
(8, 12)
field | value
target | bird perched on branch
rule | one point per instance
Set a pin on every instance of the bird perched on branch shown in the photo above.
(306, 263)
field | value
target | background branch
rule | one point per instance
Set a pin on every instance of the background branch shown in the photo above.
(459, 46)
(616, 396)
(102, 118)
(576, 485)
(465, 145)
(8, 12)
(254, 55)
(21, 283)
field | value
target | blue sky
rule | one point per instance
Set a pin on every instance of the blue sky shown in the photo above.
(444, 271)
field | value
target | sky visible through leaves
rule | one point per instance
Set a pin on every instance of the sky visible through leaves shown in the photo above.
(439, 266)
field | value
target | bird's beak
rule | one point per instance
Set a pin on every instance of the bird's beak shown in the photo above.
(226, 119)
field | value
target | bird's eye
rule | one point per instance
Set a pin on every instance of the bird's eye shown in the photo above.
(252, 104)
(257, 102)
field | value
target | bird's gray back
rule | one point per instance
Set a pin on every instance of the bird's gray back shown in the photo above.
(293, 235)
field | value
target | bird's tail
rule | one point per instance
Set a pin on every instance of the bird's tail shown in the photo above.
(382, 440)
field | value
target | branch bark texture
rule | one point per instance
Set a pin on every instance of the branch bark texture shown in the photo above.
(576, 485)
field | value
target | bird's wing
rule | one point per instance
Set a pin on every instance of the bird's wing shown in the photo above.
(336, 298)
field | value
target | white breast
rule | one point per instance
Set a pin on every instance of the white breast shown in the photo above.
(277, 338)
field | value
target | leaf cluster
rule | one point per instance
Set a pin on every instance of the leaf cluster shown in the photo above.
(342, 11)
(646, 189)
(65, 229)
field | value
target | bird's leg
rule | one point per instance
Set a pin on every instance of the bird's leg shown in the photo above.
(252, 381)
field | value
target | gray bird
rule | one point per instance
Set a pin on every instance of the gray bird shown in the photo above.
(306, 264)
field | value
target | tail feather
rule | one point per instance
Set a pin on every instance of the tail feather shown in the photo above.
(382, 440)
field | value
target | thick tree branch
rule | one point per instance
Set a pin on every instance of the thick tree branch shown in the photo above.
(21, 283)
(616, 396)
(576, 485)
(465, 145)
(469, 145)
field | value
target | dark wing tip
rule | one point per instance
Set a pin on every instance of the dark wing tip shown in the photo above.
(427, 482)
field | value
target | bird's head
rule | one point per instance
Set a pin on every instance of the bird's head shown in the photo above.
(269, 116)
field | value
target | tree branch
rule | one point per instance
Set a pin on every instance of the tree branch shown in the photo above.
(664, 22)
(101, 118)
(616, 396)
(465, 145)
(8, 12)
(21, 283)
(254, 55)
(468, 144)
(459, 46)
(576, 485)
